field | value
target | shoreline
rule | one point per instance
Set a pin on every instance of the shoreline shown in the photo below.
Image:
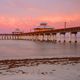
(43, 58)
(37, 61)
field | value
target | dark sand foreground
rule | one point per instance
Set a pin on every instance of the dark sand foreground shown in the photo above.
(37, 61)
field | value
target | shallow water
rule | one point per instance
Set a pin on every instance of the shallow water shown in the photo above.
(25, 49)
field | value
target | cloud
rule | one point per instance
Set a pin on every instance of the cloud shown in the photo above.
(28, 13)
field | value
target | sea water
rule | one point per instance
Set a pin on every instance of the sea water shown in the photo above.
(19, 49)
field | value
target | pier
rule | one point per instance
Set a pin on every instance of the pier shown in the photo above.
(48, 35)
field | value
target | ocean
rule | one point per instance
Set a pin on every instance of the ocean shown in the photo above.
(20, 49)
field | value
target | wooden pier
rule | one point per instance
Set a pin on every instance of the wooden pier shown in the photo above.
(48, 35)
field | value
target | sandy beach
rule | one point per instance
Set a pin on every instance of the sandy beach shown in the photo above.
(67, 68)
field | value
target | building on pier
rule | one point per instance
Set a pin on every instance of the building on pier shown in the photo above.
(17, 31)
(43, 27)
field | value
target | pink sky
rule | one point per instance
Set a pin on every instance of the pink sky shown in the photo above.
(26, 14)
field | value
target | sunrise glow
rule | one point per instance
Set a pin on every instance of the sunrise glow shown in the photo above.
(26, 14)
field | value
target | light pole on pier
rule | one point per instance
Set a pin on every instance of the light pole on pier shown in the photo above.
(65, 23)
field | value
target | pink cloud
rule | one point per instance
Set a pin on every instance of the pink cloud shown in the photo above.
(26, 23)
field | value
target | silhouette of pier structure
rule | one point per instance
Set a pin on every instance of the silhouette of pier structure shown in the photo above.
(44, 35)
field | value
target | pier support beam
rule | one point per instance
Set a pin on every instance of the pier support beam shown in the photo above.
(70, 37)
(51, 37)
(75, 33)
(48, 36)
(60, 38)
(63, 33)
(43, 36)
(54, 37)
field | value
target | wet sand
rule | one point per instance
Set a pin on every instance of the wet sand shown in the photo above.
(37, 61)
